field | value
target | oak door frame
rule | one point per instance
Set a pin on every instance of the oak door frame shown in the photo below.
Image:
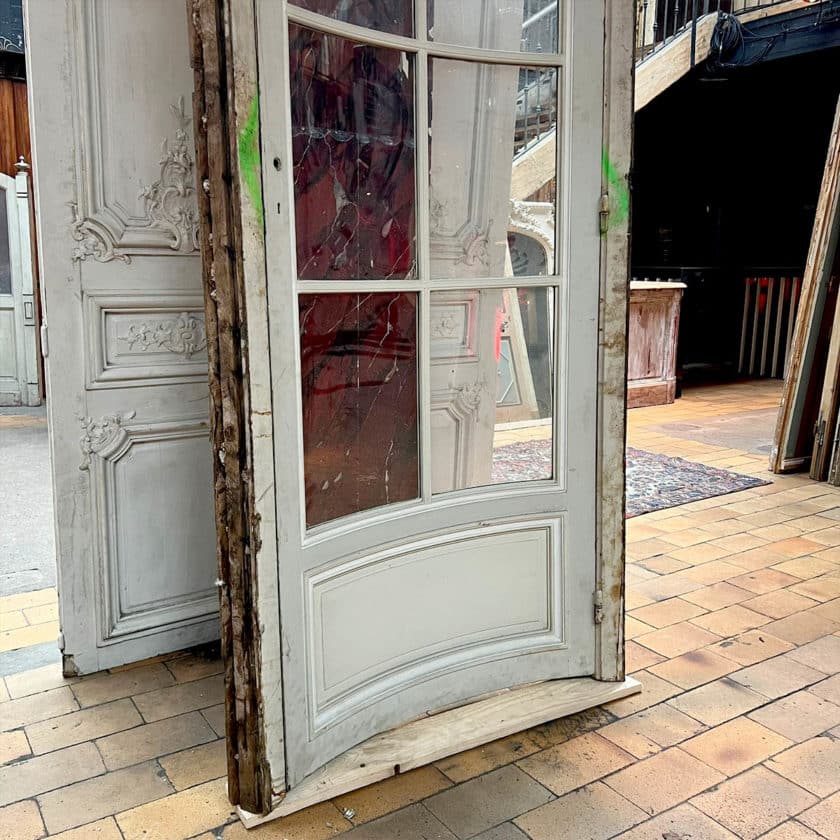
(229, 175)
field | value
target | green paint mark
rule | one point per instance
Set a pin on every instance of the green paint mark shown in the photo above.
(618, 192)
(249, 158)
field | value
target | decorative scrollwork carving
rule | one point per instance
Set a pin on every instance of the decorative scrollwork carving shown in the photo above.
(468, 398)
(184, 336)
(170, 201)
(476, 248)
(102, 437)
(93, 242)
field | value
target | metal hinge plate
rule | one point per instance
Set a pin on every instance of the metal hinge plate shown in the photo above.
(45, 341)
(598, 603)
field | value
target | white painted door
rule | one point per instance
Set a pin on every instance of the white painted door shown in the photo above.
(18, 354)
(111, 86)
(428, 553)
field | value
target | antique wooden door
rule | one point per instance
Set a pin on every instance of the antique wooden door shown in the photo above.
(18, 355)
(426, 553)
(125, 342)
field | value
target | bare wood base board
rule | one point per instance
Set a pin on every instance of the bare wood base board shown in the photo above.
(438, 736)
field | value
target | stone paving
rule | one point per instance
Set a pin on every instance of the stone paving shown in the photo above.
(733, 627)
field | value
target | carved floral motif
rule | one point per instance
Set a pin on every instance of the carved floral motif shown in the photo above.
(102, 437)
(476, 247)
(468, 398)
(447, 325)
(93, 242)
(184, 336)
(170, 201)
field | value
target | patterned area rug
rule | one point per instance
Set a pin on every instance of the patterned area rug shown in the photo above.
(654, 482)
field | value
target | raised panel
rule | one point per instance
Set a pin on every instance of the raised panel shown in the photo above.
(479, 595)
(156, 549)
(137, 184)
(8, 353)
(452, 326)
(151, 338)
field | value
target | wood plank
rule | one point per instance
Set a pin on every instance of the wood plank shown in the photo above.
(438, 736)
(794, 418)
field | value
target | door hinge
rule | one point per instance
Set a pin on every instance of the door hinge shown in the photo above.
(60, 641)
(45, 341)
(819, 433)
(598, 602)
(604, 212)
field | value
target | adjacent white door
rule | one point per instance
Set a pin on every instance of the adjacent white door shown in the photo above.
(111, 87)
(18, 353)
(429, 552)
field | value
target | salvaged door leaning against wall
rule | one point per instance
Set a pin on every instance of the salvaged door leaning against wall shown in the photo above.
(126, 360)
(398, 550)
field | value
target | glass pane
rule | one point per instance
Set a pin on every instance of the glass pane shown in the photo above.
(512, 25)
(493, 164)
(353, 157)
(492, 394)
(5, 261)
(393, 16)
(359, 384)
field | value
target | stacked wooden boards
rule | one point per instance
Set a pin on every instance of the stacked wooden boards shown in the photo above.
(808, 428)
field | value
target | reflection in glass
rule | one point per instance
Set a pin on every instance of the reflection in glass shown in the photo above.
(492, 164)
(393, 16)
(491, 383)
(5, 258)
(353, 158)
(359, 388)
(512, 25)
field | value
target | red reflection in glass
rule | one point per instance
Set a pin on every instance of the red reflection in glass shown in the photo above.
(353, 158)
(359, 385)
(393, 16)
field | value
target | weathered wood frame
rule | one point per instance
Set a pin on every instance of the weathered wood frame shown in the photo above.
(228, 164)
(787, 453)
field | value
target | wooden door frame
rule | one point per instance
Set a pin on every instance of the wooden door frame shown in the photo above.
(230, 205)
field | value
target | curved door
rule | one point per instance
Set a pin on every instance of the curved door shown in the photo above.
(431, 549)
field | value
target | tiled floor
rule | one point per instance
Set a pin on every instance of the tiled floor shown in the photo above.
(734, 630)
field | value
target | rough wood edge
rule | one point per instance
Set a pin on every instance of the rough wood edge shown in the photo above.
(438, 736)
(236, 527)
(619, 65)
(826, 221)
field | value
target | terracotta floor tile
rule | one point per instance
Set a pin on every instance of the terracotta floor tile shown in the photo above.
(717, 701)
(774, 533)
(806, 567)
(196, 765)
(637, 657)
(633, 600)
(325, 821)
(738, 543)
(481, 803)
(13, 745)
(813, 765)
(101, 830)
(829, 610)
(22, 600)
(664, 780)
(27, 636)
(152, 740)
(703, 553)
(665, 613)
(50, 704)
(26, 683)
(736, 745)
(799, 716)
(595, 812)
(714, 572)
(505, 831)
(663, 564)
(828, 537)
(102, 796)
(103, 688)
(666, 586)
(828, 689)
(751, 647)
(677, 639)
(689, 536)
(648, 548)
(648, 732)
(182, 814)
(40, 615)
(779, 604)
(824, 818)
(717, 596)
(754, 802)
(180, 698)
(755, 558)
(795, 547)
(564, 729)
(374, 801)
(763, 580)
(730, 621)
(823, 588)
(777, 677)
(189, 667)
(12, 621)
(654, 690)
(85, 725)
(638, 530)
(633, 628)
(791, 830)
(215, 716)
(684, 822)
(801, 628)
(466, 765)
(21, 821)
(821, 655)
(37, 775)
(575, 763)
(694, 668)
